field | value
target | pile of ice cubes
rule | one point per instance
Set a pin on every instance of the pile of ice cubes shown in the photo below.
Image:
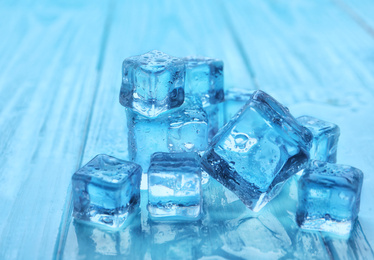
(176, 132)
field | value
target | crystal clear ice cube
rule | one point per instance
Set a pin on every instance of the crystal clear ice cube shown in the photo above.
(204, 78)
(216, 118)
(174, 186)
(106, 190)
(188, 129)
(235, 99)
(325, 138)
(329, 197)
(258, 150)
(152, 83)
(184, 129)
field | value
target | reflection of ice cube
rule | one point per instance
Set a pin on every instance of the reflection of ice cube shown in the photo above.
(184, 129)
(258, 150)
(174, 186)
(96, 243)
(152, 83)
(204, 78)
(268, 239)
(325, 138)
(175, 240)
(329, 197)
(106, 190)
(310, 245)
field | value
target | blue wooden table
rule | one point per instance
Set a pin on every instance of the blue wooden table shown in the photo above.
(60, 73)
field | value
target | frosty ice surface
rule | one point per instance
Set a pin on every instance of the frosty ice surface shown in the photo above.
(174, 186)
(329, 197)
(204, 78)
(152, 83)
(184, 129)
(258, 150)
(325, 138)
(106, 190)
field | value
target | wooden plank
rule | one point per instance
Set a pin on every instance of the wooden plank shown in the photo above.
(316, 59)
(361, 12)
(300, 64)
(47, 83)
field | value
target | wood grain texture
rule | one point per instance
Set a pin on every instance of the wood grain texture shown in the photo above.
(47, 83)
(360, 11)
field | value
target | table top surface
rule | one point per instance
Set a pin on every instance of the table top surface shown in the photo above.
(60, 74)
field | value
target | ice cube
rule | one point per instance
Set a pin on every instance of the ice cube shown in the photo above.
(152, 83)
(219, 114)
(174, 186)
(325, 138)
(329, 197)
(216, 118)
(184, 129)
(204, 78)
(235, 99)
(106, 190)
(188, 129)
(258, 150)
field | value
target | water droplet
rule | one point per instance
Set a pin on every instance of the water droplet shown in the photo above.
(343, 196)
(107, 220)
(189, 146)
(241, 140)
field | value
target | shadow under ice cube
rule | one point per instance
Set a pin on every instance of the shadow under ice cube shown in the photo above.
(106, 190)
(174, 186)
(258, 150)
(325, 138)
(329, 197)
(152, 83)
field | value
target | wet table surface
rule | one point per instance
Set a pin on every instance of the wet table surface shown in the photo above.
(60, 73)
